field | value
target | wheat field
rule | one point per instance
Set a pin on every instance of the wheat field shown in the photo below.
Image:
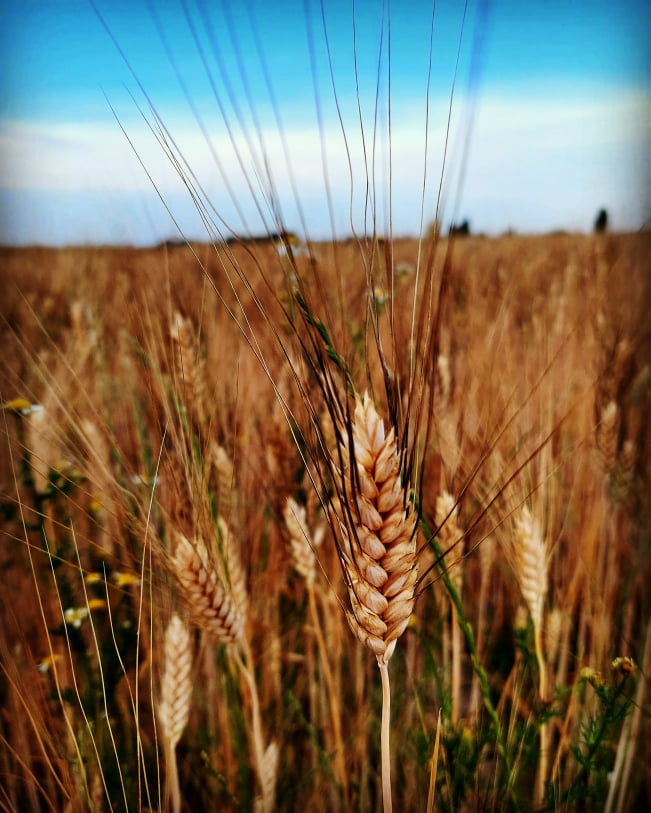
(179, 566)
(348, 524)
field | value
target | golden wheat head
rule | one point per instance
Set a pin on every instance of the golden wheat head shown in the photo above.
(378, 550)
(214, 605)
(176, 685)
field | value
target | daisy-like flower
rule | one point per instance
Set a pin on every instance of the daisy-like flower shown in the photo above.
(380, 296)
(75, 615)
(21, 406)
(47, 662)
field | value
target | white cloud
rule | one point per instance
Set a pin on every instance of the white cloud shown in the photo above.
(553, 156)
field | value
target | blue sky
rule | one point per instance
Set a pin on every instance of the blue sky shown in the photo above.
(551, 117)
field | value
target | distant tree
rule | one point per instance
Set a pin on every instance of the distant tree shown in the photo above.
(460, 229)
(601, 221)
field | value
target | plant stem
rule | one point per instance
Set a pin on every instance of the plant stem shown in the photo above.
(543, 764)
(340, 765)
(385, 735)
(468, 634)
(245, 664)
(173, 787)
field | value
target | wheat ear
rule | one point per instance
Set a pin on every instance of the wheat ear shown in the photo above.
(176, 693)
(378, 550)
(300, 540)
(222, 466)
(190, 366)
(531, 571)
(214, 606)
(215, 591)
(269, 775)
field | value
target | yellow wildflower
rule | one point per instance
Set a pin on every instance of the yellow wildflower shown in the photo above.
(125, 579)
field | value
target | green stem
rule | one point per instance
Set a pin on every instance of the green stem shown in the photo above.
(469, 636)
(583, 774)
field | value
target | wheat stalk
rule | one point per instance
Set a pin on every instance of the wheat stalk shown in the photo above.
(303, 546)
(452, 540)
(531, 571)
(377, 548)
